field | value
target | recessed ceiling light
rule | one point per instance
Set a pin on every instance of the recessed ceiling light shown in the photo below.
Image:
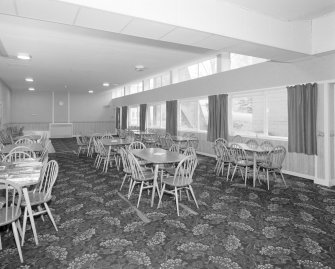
(139, 67)
(90, 91)
(31, 89)
(23, 56)
(29, 79)
(105, 84)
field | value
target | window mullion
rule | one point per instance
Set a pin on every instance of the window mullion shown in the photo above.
(266, 115)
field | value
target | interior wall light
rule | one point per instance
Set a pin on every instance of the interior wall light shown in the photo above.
(23, 56)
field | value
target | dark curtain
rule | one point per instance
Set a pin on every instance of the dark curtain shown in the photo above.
(117, 118)
(124, 117)
(217, 117)
(143, 112)
(171, 117)
(302, 111)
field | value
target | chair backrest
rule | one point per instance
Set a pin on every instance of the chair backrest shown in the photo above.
(252, 143)
(193, 142)
(223, 152)
(237, 153)
(184, 171)
(48, 178)
(190, 151)
(125, 160)
(101, 148)
(24, 149)
(107, 136)
(276, 157)
(267, 145)
(11, 208)
(137, 145)
(136, 171)
(221, 140)
(25, 141)
(16, 157)
(168, 141)
(174, 148)
(79, 141)
(45, 151)
(238, 139)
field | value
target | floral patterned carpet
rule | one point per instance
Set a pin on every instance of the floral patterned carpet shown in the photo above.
(235, 226)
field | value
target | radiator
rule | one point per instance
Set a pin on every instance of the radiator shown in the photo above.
(60, 130)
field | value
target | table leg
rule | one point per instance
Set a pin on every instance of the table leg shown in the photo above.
(155, 185)
(255, 167)
(30, 213)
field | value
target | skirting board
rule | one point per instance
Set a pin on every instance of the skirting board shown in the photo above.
(60, 130)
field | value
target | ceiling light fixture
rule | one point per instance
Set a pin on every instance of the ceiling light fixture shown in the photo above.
(23, 56)
(90, 91)
(29, 79)
(105, 84)
(31, 89)
(139, 67)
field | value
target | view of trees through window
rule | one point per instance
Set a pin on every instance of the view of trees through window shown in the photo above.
(193, 115)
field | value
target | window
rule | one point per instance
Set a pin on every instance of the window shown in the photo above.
(261, 113)
(201, 69)
(134, 116)
(118, 92)
(156, 116)
(193, 115)
(157, 81)
(133, 88)
(239, 60)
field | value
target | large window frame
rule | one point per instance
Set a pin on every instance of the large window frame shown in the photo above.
(131, 122)
(162, 115)
(198, 124)
(266, 94)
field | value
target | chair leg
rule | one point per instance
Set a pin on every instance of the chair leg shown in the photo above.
(140, 194)
(40, 209)
(25, 216)
(131, 189)
(177, 203)
(267, 178)
(124, 178)
(0, 243)
(232, 176)
(246, 176)
(50, 216)
(192, 192)
(17, 240)
(161, 196)
(228, 172)
(282, 176)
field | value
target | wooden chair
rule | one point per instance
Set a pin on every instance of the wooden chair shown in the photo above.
(267, 146)
(224, 157)
(273, 163)
(193, 142)
(82, 146)
(182, 180)
(190, 151)
(107, 136)
(41, 195)
(16, 157)
(126, 167)
(252, 143)
(221, 140)
(10, 212)
(45, 152)
(25, 141)
(136, 145)
(237, 139)
(145, 178)
(240, 160)
(24, 149)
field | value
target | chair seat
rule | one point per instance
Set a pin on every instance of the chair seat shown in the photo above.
(10, 218)
(245, 163)
(170, 181)
(148, 175)
(35, 198)
(268, 166)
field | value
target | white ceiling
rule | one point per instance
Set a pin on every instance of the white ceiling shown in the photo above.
(288, 10)
(77, 48)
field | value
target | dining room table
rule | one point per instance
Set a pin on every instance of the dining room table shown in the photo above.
(114, 144)
(143, 134)
(255, 152)
(157, 156)
(36, 147)
(25, 173)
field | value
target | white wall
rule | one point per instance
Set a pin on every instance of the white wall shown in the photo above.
(89, 112)
(5, 101)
